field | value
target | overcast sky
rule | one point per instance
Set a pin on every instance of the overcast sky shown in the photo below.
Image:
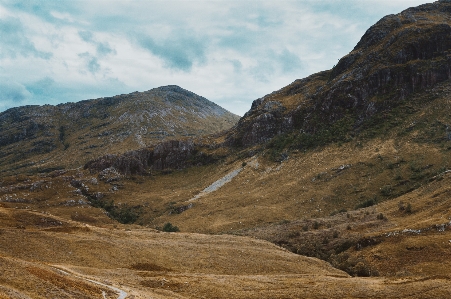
(231, 52)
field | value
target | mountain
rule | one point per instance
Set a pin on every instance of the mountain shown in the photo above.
(397, 57)
(381, 88)
(36, 138)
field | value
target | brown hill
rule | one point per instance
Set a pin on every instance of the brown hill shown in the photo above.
(40, 138)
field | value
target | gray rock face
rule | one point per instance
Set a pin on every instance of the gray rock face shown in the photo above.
(174, 154)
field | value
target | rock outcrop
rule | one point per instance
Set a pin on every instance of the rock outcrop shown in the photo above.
(169, 155)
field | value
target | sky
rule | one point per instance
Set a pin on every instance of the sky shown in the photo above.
(230, 52)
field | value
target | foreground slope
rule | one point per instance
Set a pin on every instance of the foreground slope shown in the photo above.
(63, 259)
(40, 138)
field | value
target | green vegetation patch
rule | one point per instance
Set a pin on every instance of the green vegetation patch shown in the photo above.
(122, 213)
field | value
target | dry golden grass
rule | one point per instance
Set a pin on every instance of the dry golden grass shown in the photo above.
(32, 279)
(150, 264)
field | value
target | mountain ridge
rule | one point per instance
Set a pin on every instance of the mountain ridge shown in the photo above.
(399, 56)
(113, 124)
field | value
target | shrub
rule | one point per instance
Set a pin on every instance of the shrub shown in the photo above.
(380, 216)
(344, 246)
(386, 190)
(123, 213)
(362, 270)
(338, 212)
(409, 208)
(168, 227)
(367, 203)
(315, 225)
(294, 234)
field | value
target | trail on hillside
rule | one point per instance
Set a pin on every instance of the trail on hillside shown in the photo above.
(122, 294)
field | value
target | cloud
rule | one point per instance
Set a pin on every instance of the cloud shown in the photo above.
(102, 48)
(91, 62)
(93, 65)
(178, 52)
(14, 40)
(288, 61)
(85, 35)
(55, 12)
(47, 90)
(12, 94)
(40, 87)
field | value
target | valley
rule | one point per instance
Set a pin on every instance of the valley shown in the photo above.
(335, 186)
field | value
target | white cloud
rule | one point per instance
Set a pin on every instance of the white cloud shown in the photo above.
(63, 16)
(15, 94)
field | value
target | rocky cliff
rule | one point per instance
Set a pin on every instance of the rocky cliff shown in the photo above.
(46, 137)
(170, 154)
(398, 56)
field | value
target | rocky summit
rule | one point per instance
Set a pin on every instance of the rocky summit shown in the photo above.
(40, 138)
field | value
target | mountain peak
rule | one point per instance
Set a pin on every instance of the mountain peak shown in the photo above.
(90, 128)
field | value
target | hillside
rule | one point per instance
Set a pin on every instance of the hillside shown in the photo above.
(42, 138)
(57, 258)
(371, 131)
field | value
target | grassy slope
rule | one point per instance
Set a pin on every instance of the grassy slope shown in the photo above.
(147, 263)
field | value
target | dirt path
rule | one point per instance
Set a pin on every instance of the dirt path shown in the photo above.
(122, 293)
